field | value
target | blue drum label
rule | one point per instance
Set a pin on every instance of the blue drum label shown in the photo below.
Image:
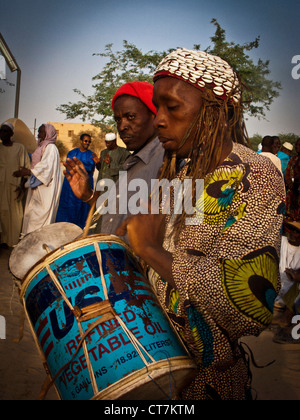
(110, 351)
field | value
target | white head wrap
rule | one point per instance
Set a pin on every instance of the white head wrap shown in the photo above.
(8, 124)
(110, 137)
(202, 70)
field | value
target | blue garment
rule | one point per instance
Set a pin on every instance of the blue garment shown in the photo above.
(34, 182)
(71, 209)
(284, 161)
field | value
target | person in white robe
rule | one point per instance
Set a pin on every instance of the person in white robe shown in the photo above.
(44, 184)
(268, 151)
(12, 156)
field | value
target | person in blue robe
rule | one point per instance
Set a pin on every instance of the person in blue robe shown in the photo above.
(71, 209)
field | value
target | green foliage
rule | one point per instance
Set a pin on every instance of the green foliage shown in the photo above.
(259, 90)
(62, 149)
(131, 64)
(122, 66)
(290, 138)
(255, 140)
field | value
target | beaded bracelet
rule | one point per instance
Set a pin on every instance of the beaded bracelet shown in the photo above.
(85, 201)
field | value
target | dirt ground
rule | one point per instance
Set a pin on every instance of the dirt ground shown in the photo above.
(22, 373)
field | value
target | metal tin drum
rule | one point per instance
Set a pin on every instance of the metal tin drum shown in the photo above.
(99, 327)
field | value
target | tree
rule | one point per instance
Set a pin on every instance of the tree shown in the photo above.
(122, 66)
(259, 90)
(290, 138)
(131, 64)
(255, 141)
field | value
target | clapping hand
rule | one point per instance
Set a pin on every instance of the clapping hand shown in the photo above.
(78, 178)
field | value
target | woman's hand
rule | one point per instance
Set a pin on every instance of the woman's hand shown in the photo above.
(146, 234)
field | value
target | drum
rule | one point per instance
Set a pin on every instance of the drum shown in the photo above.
(37, 244)
(99, 327)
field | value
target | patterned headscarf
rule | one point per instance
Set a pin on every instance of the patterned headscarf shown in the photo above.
(50, 138)
(201, 70)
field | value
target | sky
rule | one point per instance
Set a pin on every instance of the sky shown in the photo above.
(53, 42)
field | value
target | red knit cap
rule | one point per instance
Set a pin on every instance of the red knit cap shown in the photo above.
(141, 90)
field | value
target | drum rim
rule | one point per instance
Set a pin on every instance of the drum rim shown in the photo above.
(57, 225)
(174, 364)
(64, 249)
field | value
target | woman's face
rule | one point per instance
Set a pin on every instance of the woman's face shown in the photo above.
(42, 133)
(177, 104)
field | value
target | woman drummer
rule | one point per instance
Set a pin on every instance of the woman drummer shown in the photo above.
(216, 279)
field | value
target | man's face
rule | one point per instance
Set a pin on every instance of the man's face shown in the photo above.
(134, 122)
(293, 235)
(276, 145)
(5, 133)
(178, 104)
(111, 145)
(86, 142)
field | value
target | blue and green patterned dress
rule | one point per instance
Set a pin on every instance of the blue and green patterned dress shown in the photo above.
(226, 271)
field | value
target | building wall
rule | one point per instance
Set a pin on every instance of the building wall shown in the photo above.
(69, 134)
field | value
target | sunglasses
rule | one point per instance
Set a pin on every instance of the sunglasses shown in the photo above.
(87, 141)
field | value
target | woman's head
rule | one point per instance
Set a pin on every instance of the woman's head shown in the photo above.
(47, 132)
(201, 96)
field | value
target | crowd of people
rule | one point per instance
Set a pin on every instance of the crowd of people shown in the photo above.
(218, 280)
(288, 300)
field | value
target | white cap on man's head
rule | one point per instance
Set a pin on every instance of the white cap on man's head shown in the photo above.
(110, 137)
(8, 124)
(288, 146)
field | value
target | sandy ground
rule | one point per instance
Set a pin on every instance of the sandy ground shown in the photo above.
(22, 373)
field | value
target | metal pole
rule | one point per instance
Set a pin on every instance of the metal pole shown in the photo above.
(13, 66)
(18, 93)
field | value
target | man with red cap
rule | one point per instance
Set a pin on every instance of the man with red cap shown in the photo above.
(134, 114)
